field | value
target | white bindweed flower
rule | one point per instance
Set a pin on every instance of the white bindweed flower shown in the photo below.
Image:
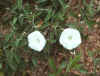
(70, 38)
(36, 41)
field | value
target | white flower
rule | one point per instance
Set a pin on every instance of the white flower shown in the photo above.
(36, 41)
(70, 38)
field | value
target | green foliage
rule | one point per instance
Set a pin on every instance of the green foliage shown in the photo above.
(56, 70)
(52, 64)
(1, 73)
(88, 13)
(61, 67)
(52, 74)
(73, 63)
(12, 59)
(23, 18)
(89, 22)
(96, 61)
(34, 61)
(19, 4)
(89, 7)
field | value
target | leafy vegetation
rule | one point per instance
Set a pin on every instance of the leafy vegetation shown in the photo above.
(50, 17)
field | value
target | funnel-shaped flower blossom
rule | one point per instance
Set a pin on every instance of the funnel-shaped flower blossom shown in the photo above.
(70, 38)
(36, 41)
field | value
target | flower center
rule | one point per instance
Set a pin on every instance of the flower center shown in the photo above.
(38, 40)
(69, 37)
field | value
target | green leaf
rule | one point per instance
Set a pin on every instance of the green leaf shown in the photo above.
(83, 71)
(14, 21)
(52, 39)
(62, 3)
(34, 61)
(96, 61)
(17, 58)
(18, 41)
(90, 23)
(52, 64)
(0, 65)
(52, 74)
(72, 25)
(73, 14)
(19, 4)
(41, 1)
(2, 74)
(90, 8)
(9, 36)
(73, 63)
(10, 60)
(77, 67)
(62, 66)
(49, 15)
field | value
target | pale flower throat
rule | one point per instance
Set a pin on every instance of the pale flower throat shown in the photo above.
(70, 37)
(38, 40)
